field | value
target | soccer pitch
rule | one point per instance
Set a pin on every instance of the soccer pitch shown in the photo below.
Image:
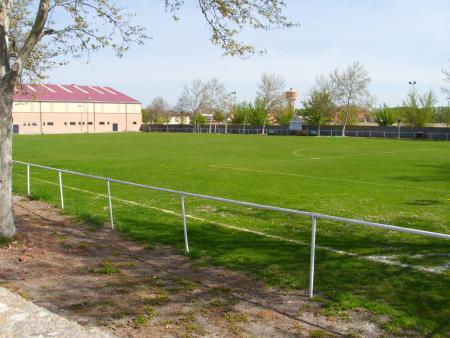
(403, 183)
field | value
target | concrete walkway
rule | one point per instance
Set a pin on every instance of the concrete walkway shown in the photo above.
(20, 318)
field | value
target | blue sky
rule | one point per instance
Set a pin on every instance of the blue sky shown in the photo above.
(396, 40)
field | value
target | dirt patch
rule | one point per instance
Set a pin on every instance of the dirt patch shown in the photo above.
(98, 278)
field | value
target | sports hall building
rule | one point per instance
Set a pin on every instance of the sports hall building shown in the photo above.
(59, 109)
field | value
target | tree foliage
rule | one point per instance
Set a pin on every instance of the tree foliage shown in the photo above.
(227, 18)
(385, 116)
(442, 115)
(258, 115)
(241, 113)
(46, 33)
(156, 112)
(419, 108)
(318, 108)
(284, 115)
(349, 87)
(446, 73)
(215, 97)
(200, 98)
(270, 95)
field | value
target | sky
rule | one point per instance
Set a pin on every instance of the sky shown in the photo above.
(396, 40)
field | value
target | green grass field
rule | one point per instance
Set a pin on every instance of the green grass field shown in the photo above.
(404, 183)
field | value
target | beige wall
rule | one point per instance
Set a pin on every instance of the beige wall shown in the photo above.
(68, 117)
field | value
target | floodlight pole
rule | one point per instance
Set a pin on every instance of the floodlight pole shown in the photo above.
(412, 84)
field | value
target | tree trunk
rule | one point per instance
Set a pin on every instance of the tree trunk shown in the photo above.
(7, 227)
(264, 125)
(344, 124)
(318, 130)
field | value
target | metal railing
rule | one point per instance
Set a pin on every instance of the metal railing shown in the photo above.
(314, 216)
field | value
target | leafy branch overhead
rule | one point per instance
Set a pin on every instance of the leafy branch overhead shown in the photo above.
(47, 33)
(42, 38)
(227, 18)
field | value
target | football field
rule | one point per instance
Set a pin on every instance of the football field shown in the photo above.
(399, 182)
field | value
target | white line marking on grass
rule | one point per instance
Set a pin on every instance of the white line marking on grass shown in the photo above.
(300, 157)
(295, 153)
(378, 259)
(323, 178)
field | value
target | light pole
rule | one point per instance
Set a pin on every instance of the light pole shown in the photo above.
(412, 84)
(448, 112)
(234, 111)
(245, 118)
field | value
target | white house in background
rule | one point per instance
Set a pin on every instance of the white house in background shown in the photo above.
(58, 109)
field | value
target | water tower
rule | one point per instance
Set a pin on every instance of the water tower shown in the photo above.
(296, 123)
(291, 95)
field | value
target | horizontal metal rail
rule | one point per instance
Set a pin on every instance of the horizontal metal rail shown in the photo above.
(248, 204)
(313, 215)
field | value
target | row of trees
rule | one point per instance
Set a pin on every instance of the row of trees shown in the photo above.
(336, 96)
(418, 109)
(209, 101)
(340, 97)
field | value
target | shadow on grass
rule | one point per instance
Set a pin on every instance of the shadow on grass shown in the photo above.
(412, 300)
(435, 173)
(424, 202)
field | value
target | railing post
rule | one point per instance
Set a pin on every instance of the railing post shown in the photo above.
(110, 203)
(28, 181)
(61, 189)
(313, 252)
(183, 212)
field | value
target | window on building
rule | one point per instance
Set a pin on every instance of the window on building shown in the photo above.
(73, 123)
(79, 123)
(108, 123)
(101, 123)
(49, 123)
(90, 123)
(43, 123)
(134, 122)
(24, 124)
(34, 124)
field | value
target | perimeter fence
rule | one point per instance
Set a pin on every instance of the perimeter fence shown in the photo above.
(442, 134)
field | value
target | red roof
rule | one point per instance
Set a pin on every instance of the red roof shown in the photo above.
(70, 93)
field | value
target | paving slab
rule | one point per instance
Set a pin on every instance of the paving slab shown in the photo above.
(21, 318)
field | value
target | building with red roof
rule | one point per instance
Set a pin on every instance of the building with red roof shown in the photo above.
(57, 109)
